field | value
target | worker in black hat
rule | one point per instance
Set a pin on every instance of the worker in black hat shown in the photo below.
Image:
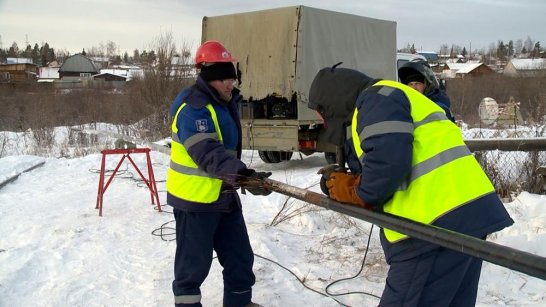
(418, 75)
(406, 159)
(202, 181)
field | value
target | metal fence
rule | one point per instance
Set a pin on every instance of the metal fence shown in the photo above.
(512, 157)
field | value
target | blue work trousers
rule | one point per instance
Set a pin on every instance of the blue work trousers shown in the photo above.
(197, 235)
(441, 277)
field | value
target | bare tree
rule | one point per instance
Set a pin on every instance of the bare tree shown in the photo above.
(163, 78)
(518, 46)
(112, 49)
(529, 44)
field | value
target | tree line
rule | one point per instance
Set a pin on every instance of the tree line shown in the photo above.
(500, 50)
(44, 53)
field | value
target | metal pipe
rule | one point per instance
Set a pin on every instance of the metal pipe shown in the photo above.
(507, 144)
(508, 257)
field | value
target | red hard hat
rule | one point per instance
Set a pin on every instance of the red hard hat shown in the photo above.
(212, 52)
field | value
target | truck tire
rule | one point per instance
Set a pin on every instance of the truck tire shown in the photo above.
(286, 155)
(330, 157)
(263, 155)
(275, 156)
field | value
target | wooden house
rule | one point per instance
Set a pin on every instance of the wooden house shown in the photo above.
(525, 68)
(17, 72)
(463, 70)
(77, 67)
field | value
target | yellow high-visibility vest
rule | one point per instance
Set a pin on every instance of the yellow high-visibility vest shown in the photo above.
(445, 175)
(184, 179)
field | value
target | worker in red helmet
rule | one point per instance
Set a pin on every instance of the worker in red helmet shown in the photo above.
(202, 181)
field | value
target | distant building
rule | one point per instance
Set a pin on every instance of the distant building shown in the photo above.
(108, 77)
(49, 73)
(17, 72)
(19, 61)
(77, 67)
(129, 72)
(431, 56)
(462, 70)
(525, 68)
(100, 62)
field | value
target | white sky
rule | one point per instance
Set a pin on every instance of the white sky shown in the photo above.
(134, 24)
(56, 251)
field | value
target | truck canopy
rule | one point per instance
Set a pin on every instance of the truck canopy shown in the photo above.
(279, 51)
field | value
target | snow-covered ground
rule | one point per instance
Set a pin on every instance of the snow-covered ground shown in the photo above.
(56, 251)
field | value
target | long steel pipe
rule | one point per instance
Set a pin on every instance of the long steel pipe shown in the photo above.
(508, 257)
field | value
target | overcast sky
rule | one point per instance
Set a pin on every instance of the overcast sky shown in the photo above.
(134, 24)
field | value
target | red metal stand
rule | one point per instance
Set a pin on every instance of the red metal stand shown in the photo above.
(150, 182)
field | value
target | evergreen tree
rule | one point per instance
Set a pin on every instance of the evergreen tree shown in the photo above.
(47, 54)
(116, 60)
(3, 55)
(151, 57)
(510, 48)
(536, 50)
(28, 52)
(35, 55)
(136, 56)
(83, 52)
(501, 51)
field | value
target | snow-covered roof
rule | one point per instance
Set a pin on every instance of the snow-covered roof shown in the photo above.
(128, 73)
(463, 68)
(107, 73)
(529, 64)
(19, 61)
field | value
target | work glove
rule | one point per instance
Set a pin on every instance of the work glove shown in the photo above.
(342, 188)
(326, 172)
(254, 175)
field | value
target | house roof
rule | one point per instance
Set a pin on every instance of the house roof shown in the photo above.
(78, 63)
(463, 68)
(19, 61)
(430, 55)
(109, 74)
(529, 64)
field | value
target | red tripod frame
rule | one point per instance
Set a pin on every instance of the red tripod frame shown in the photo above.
(150, 182)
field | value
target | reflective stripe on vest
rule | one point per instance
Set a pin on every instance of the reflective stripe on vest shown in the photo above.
(445, 175)
(184, 178)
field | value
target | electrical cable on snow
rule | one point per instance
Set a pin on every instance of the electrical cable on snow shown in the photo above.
(356, 275)
(328, 293)
(166, 233)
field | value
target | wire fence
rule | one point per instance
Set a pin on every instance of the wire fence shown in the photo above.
(512, 171)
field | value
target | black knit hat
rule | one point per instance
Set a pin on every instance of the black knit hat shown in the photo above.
(415, 78)
(218, 71)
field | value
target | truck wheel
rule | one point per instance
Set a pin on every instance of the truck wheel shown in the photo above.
(330, 157)
(285, 155)
(263, 155)
(275, 156)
